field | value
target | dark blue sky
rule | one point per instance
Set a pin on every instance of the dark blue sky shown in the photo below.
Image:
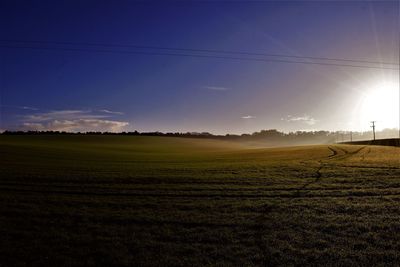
(60, 89)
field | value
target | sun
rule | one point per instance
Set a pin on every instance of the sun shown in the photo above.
(380, 103)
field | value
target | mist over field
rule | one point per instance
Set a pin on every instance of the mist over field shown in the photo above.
(262, 139)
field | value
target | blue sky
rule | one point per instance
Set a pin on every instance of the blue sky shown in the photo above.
(88, 90)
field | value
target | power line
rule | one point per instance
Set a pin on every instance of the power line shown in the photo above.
(201, 50)
(197, 56)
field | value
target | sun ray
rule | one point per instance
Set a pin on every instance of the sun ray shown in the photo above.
(380, 103)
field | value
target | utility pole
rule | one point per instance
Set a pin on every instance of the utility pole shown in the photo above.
(351, 136)
(373, 128)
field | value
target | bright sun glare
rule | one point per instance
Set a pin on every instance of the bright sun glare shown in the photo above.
(380, 103)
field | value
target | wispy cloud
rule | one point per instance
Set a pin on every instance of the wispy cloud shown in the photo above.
(77, 125)
(304, 119)
(19, 107)
(248, 117)
(111, 112)
(28, 108)
(63, 115)
(72, 120)
(216, 88)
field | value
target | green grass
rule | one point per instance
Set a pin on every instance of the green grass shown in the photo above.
(156, 201)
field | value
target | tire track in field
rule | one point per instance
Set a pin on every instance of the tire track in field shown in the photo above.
(264, 220)
(337, 153)
(318, 173)
(334, 152)
(366, 153)
(348, 153)
(318, 176)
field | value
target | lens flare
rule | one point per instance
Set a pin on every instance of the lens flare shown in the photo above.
(379, 103)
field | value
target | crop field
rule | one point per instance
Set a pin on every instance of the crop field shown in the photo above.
(159, 201)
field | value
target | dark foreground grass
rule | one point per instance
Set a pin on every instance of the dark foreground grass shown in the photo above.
(151, 201)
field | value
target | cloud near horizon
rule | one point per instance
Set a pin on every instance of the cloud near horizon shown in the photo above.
(111, 112)
(248, 117)
(305, 119)
(72, 120)
(216, 88)
(18, 107)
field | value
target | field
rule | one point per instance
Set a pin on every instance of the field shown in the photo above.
(158, 201)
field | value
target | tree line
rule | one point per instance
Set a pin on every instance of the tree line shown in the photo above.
(271, 135)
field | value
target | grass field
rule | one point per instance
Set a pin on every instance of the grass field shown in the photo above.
(156, 201)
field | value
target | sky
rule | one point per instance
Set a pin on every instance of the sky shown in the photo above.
(108, 65)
